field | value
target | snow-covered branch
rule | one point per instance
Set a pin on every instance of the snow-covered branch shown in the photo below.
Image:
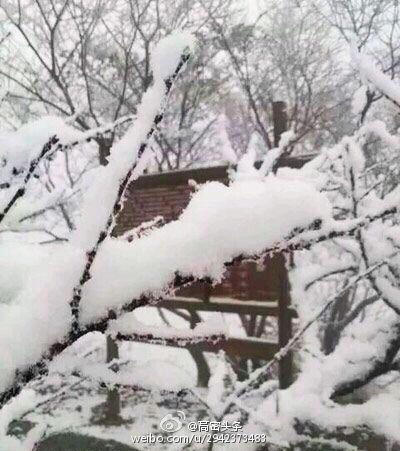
(338, 217)
(127, 328)
(46, 150)
(129, 157)
(371, 75)
(265, 205)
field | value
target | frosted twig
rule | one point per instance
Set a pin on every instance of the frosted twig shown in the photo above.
(47, 148)
(117, 207)
(259, 376)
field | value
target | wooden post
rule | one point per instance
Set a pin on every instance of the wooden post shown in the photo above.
(113, 403)
(112, 407)
(284, 324)
(280, 120)
(284, 318)
(203, 370)
(207, 291)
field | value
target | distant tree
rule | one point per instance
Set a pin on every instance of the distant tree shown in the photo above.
(290, 57)
(372, 27)
(91, 62)
(348, 331)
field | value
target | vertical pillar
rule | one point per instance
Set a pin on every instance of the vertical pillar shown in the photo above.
(203, 370)
(113, 404)
(207, 290)
(280, 119)
(112, 407)
(284, 323)
(284, 315)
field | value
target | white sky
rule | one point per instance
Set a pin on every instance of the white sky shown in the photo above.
(252, 7)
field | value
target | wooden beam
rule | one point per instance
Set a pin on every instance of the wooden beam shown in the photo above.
(252, 348)
(222, 306)
(202, 175)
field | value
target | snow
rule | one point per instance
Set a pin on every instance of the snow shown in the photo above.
(256, 212)
(88, 355)
(250, 215)
(128, 325)
(18, 406)
(130, 373)
(244, 218)
(227, 153)
(40, 310)
(36, 216)
(273, 155)
(378, 128)
(218, 215)
(21, 146)
(220, 385)
(165, 57)
(19, 262)
(363, 341)
(295, 403)
(389, 291)
(370, 74)
(125, 152)
(245, 167)
(359, 100)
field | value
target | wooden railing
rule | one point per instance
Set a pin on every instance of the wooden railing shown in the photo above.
(246, 347)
